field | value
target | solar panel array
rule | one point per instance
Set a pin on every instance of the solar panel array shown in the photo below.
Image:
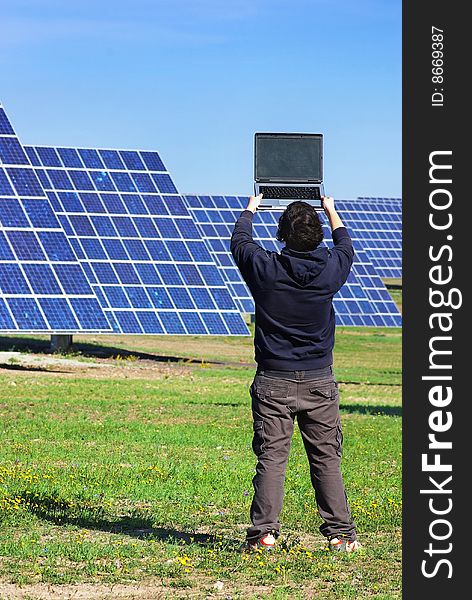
(42, 285)
(100, 240)
(363, 300)
(377, 224)
(143, 255)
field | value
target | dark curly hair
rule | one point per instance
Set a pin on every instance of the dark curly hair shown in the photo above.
(300, 227)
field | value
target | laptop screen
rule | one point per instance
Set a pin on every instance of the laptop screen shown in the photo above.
(288, 157)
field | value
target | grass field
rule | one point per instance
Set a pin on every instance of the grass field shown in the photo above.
(125, 475)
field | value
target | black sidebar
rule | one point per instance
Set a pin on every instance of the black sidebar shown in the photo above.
(437, 253)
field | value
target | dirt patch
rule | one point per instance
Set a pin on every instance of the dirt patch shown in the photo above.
(12, 359)
(220, 349)
(106, 368)
(145, 590)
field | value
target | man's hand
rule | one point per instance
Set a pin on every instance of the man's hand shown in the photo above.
(328, 204)
(333, 217)
(253, 203)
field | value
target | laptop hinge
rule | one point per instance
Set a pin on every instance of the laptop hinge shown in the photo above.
(287, 182)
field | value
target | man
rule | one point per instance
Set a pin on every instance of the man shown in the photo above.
(294, 340)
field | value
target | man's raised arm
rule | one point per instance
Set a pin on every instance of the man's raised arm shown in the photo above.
(243, 247)
(343, 249)
(333, 217)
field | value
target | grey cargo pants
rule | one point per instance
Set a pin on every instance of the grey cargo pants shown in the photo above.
(311, 396)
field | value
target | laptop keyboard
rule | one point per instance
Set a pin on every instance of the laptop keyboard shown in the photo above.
(297, 193)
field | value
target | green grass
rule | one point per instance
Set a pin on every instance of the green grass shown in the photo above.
(394, 286)
(122, 479)
(396, 297)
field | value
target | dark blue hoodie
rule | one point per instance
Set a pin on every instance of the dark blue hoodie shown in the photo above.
(293, 293)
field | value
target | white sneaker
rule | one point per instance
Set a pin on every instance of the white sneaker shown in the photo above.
(266, 542)
(342, 545)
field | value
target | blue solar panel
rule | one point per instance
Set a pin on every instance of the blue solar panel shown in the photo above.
(25, 183)
(11, 152)
(5, 125)
(69, 157)
(43, 288)
(377, 224)
(142, 254)
(362, 299)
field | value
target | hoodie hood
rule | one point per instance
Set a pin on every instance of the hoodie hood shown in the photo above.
(304, 267)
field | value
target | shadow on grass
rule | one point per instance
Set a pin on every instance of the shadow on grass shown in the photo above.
(92, 516)
(87, 350)
(391, 411)
(29, 368)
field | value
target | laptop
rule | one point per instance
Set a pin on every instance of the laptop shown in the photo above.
(288, 167)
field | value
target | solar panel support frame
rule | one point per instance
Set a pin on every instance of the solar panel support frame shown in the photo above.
(61, 343)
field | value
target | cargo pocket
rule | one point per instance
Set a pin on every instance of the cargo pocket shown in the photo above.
(327, 391)
(258, 438)
(270, 390)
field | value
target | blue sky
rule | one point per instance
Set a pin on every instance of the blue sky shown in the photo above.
(195, 79)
